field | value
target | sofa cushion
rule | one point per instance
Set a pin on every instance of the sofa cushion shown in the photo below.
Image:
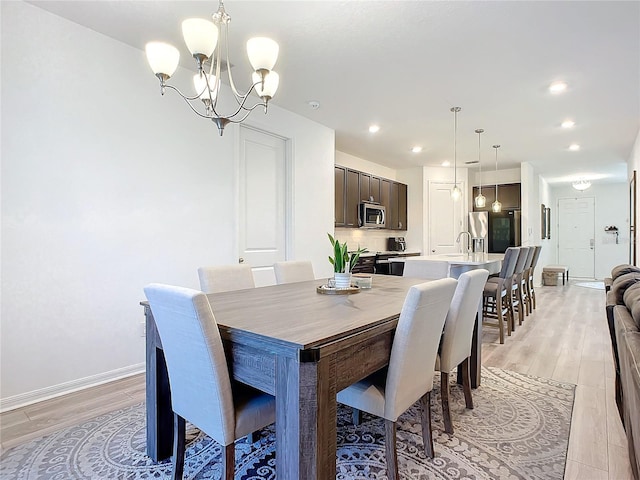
(620, 285)
(623, 270)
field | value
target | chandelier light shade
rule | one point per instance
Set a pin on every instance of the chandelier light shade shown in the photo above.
(480, 201)
(496, 206)
(581, 184)
(208, 42)
(455, 193)
(163, 58)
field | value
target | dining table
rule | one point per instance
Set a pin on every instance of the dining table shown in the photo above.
(299, 345)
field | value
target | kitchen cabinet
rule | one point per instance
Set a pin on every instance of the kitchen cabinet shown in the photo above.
(352, 198)
(353, 187)
(508, 194)
(369, 188)
(339, 195)
(392, 208)
(366, 264)
(402, 206)
(375, 189)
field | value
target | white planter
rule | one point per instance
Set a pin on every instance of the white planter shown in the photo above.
(343, 280)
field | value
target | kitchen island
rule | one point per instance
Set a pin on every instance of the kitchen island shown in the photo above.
(460, 262)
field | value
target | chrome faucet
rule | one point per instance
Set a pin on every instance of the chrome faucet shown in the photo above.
(468, 240)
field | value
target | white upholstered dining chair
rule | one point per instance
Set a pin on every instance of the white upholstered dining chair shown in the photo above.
(202, 391)
(455, 348)
(225, 278)
(293, 271)
(425, 269)
(409, 377)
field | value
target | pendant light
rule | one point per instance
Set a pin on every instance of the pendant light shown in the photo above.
(480, 200)
(496, 206)
(455, 193)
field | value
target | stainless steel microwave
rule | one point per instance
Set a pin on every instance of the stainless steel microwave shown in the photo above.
(372, 215)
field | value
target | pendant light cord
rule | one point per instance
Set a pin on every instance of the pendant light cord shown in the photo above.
(455, 111)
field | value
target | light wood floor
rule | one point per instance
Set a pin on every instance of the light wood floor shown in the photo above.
(566, 339)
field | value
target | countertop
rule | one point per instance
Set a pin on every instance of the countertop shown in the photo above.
(457, 258)
(406, 252)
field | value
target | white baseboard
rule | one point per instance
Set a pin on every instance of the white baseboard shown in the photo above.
(23, 399)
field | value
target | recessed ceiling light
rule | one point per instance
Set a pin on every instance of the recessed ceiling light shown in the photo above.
(568, 124)
(557, 87)
(374, 128)
(446, 163)
(313, 104)
(416, 149)
(574, 147)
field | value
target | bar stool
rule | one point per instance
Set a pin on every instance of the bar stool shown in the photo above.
(497, 293)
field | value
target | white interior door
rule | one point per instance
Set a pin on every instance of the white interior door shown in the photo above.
(445, 218)
(576, 235)
(262, 202)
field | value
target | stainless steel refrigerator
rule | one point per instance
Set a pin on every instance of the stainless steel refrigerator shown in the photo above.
(478, 228)
(504, 230)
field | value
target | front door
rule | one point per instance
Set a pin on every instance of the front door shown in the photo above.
(576, 235)
(445, 218)
(262, 202)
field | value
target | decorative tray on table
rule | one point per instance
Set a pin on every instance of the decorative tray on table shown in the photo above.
(327, 290)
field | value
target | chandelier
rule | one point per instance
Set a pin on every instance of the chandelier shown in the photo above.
(480, 200)
(581, 184)
(201, 37)
(496, 206)
(455, 193)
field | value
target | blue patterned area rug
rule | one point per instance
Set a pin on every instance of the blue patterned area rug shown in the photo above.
(519, 429)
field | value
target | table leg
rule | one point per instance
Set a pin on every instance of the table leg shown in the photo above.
(306, 418)
(158, 396)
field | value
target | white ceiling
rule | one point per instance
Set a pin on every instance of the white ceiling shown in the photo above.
(404, 64)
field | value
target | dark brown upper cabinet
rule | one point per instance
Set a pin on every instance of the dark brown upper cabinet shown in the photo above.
(508, 194)
(353, 187)
(352, 195)
(339, 195)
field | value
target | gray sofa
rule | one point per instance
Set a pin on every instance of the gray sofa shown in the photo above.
(623, 316)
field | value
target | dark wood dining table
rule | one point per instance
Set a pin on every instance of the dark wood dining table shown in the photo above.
(299, 345)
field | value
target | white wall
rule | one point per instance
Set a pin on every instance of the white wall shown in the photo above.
(530, 212)
(107, 186)
(416, 206)
(611, 208)
(548, 254)
(362, 165)
(491, 177)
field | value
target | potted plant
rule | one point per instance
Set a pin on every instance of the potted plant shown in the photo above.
(343, 262)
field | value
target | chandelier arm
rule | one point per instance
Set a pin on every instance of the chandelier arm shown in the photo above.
(226, 47)
(185, 97)
(188, 102)
(240, 108)
(248, 111)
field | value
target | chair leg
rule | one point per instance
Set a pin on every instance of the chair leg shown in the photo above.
(533, 298)
(520, 306)
(444, 395)
(466, 383)
(427, 436)
(229, 462)
(500, 319)
(179, 446)
(357, 416)
(390, 449)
